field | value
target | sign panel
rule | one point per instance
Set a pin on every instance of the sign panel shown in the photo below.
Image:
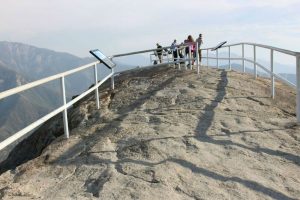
(103, 59)
(218, 46)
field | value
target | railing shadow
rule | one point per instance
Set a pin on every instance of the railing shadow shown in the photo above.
(194, 168)
(206, 120)
(204, 124)
(94, 138)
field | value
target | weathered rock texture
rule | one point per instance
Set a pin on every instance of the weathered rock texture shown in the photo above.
(171, 134)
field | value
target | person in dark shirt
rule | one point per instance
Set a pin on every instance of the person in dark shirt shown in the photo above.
(174, 50)
(180, 52)
(159, 52)
(200, 42)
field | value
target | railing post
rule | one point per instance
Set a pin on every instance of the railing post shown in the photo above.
(197, 58)
(272, 74)
(178, 58)
(168, 58)
(65, 113)
(112, 79)
(177, 51)
(298, 86)
(207, 58)
(190, 57)
(243, 55)
(254, 59)
(173, 58)
(229, 58)
(217, 55)
(96, 91)
(186, 58)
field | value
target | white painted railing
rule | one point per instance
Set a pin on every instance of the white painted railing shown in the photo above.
(273, 75)
(63, 108)
(169, 59)
(66, 105)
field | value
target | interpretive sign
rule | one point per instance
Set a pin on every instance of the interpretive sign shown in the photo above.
(103, 59)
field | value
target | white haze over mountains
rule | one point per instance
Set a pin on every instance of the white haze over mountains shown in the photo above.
(76, 26)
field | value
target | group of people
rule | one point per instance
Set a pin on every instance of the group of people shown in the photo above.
(184, 49)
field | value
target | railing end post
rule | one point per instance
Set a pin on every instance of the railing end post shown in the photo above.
(96, 91)
(243, 56)
(254, 60)
(298, 87)
(65, 112)
(198, 57)
(66, 124)
(112, 79)
(272, 74)
(217, 55)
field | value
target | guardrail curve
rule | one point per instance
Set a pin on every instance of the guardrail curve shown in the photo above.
(189, 58)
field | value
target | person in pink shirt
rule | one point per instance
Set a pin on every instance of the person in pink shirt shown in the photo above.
(192, 47)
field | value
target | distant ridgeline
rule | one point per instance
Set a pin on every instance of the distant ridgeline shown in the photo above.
(20, 64)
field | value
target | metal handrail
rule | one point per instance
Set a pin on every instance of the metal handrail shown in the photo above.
(62, 108)
(261, 66)
(37, 123)
(146, 51)
(66, 105)
(27, 86)
(285, 51)
(256, 64)
(292, 53)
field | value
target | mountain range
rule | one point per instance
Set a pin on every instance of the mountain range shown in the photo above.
(23, 108)
(21, 64)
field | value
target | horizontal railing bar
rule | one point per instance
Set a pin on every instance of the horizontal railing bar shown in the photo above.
(231, 45)
(282, 79)
(292, 53)
(70, 103)
(27, 86)
(285, 51)
(42, 120)
(145, 51)
(259, 65)
(30, 127)
(205, 57)
(277, 76)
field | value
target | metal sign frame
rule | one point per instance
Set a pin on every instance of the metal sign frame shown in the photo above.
(102, 58)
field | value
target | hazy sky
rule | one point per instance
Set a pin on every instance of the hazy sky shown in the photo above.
(118, 26)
